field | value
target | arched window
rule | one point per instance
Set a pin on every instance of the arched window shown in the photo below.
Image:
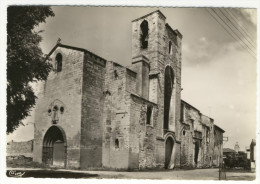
(58, 62)
(170, 47)
(207, 135)
(183, 132)
(168, 87)
(144, 34)
(115, 74)
(149, 114)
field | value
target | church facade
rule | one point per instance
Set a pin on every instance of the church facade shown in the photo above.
(94, 113)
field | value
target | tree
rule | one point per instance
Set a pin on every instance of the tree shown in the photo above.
(26, 62)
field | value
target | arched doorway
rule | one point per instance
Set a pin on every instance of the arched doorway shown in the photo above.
(196, 155)
(54, 147)
(168, 151)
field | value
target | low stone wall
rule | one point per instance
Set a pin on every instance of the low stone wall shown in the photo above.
(20, 148)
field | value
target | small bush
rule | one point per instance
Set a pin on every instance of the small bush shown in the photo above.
(237, 162)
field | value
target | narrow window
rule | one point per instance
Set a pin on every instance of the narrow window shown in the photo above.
(31, 146)
(207, 135)
(58, 62)
(55, 115)
(149, 114)
(170, 47)
(115, 74)
(116, 143)
(184, 133)
(144, 34)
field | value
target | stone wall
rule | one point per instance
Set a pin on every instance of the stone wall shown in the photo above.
(159, 57)
(20, 148)
(191, 118)
(116, 119)
(208, 140)
(63, 87)
(94, 72)
(197, 127)
(155, 55)
(142, 133)
(186, 150)
(173, 59)
(218, 146)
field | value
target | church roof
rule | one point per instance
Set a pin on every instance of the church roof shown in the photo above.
(176, 31)
(189, 105)
(74, 48)
(216, 126)
(150, 14)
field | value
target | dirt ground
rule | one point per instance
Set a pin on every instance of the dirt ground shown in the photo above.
(247, 176)
(197, 174)
(23, 167)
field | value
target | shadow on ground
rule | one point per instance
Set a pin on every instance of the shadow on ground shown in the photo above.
(48, 174)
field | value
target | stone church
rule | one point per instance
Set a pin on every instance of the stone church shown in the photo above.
(94, 113)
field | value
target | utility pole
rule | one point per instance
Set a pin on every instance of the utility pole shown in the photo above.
(222, 172)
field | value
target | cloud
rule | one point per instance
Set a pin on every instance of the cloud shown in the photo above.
(247, 18)
(231, 107)
(203, 39)
(250, 15)
(204, 50)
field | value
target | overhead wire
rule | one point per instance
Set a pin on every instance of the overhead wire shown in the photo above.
(240, 25)
(232, 30)
(236, 28)
(245, 46)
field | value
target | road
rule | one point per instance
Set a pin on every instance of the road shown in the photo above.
(240, 176)
(197, 174)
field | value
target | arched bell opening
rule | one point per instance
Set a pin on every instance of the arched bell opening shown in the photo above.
(144, 34)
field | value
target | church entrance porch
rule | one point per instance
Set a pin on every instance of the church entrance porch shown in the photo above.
(54, 147)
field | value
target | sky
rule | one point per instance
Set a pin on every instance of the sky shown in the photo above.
(218, 75)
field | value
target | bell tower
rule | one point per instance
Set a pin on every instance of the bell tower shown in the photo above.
(160, 45)
(147, 38)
